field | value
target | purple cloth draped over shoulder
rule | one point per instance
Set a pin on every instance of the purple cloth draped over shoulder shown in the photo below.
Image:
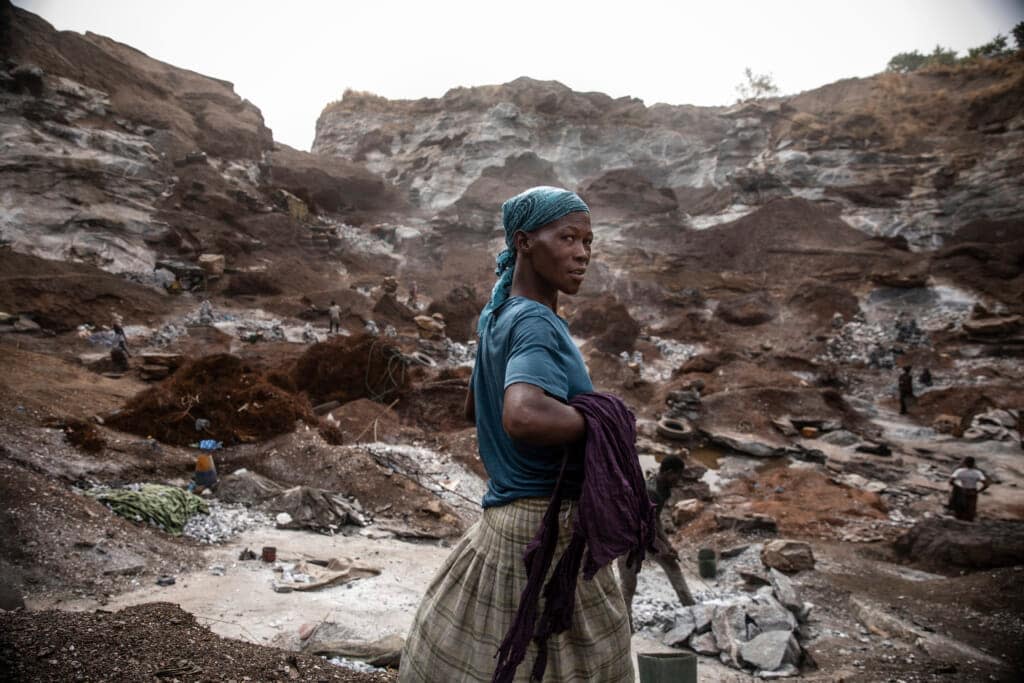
(615, 518)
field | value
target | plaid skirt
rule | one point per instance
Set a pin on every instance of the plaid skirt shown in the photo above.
(469, 607)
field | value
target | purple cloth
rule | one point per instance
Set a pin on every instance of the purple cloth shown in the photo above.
(615, 518)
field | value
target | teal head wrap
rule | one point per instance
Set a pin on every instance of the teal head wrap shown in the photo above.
(526, 212)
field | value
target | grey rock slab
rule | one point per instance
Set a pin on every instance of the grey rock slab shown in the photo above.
(729, 625)
(770, 615)
(770, 650)
(785, 591)
(701, 617)
(684, 627)
(704, 644)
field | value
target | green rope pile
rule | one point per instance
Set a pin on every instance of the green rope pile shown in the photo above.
(165, 507)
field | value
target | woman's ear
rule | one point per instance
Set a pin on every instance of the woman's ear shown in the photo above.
(521, 242)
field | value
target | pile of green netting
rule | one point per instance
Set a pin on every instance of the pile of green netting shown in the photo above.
(165, 507)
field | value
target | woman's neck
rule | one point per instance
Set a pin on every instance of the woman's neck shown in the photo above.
(525, 283)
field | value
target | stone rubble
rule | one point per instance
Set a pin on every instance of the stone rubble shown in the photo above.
(758, 632)
(874, 344)
(225, 521)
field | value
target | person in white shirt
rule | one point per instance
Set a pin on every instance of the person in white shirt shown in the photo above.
(334, 311)
(967, 482)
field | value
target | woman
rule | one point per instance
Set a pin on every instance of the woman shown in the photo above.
(527, 369)
(967, 482)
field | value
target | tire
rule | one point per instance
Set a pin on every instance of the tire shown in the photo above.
(422, 359)
(673, 429)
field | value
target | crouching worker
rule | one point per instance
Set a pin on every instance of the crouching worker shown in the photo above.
(659, 489)
(556, 507)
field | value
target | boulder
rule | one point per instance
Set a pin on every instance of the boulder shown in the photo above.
(704, 644)
(785, 591)
(768, 614)
(212, 265)
(745, 443)
(684, 627)
(787, 555)
(700, 615)
(747, 310)
(770, 650)
(747, 522)
(699, 490)
(729, 625)
(686, 510)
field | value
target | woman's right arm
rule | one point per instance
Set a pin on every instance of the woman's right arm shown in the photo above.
(531, 416)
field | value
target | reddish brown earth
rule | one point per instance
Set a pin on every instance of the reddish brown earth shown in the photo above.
(156, 641)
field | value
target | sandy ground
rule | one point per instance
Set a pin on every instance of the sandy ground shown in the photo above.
(242, 604)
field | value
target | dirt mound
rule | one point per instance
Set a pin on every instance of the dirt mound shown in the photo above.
(609, 323)
(80, 434)
(252, 284)
(346, 368)
(460, 307)
(242, 406)
(747, 310)
(388, 309)
(366, 420)
(821, 301)
(435, 406)
(59, 296)
(807, 501)
(983, 544)
(302, 458)
(55, 539)
(155, 641)
(965, 402)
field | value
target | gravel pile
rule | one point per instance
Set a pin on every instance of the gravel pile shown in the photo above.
(225, 521)
(875, 344)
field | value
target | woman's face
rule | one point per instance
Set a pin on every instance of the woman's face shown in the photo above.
(560, 251)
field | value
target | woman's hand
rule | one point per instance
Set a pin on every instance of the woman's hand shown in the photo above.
(531, 416)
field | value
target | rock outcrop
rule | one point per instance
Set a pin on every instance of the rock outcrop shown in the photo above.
(120, 161)
(914, 156)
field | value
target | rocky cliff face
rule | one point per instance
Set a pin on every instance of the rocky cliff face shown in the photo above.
(900, 156)
(112, 158)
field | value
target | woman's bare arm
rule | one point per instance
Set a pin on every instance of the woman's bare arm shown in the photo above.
(531, 416)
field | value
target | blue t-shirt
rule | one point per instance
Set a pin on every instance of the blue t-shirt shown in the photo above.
(525, 342)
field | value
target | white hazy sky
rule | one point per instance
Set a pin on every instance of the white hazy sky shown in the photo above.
(291, 59)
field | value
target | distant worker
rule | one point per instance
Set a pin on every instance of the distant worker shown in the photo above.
(119, 353)
(659, 489)
(925, 378)
(967, 482)
(906, 387)
(413, 295)
(334, 311)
